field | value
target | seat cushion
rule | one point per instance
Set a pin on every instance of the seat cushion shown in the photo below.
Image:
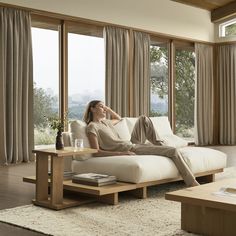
(143, 168)
(134, 169)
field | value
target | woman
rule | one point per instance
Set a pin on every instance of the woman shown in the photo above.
(103, 137)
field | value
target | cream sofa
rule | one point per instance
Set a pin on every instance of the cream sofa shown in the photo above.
(145, 170)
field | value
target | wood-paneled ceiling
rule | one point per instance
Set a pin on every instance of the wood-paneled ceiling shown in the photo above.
(219, 8)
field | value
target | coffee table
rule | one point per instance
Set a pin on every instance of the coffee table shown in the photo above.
(205, 213)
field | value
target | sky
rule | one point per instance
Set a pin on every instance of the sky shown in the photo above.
(86, 62)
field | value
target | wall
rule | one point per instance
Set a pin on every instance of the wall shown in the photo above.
(162, 16)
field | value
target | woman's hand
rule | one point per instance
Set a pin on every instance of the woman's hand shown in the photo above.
(115, 118)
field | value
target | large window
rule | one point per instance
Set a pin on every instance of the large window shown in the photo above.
(46, 82)
(228, 28)
(86, 72)
(159, 80)
(184, 92)
(172, 94)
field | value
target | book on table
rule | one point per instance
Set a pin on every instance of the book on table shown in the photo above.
(66, 174)
(94, 179)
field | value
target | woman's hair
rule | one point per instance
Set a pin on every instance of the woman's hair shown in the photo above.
(88, 115)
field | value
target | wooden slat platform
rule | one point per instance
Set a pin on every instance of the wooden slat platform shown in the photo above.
(109, 193)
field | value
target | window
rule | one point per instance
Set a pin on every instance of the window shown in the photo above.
(46, 82)
(228, 28)
(159, 80)
(172, 94)
(184, 92)
(86, 68)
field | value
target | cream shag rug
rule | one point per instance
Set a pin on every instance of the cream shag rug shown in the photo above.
(151, 216)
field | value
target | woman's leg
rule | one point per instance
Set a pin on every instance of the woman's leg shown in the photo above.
(175, 156)
(143, 130)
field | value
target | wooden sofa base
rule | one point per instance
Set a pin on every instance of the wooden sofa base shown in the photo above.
(109, 194)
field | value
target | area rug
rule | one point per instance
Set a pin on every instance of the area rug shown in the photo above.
(151, 216)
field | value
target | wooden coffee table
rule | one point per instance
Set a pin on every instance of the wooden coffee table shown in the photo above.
(205, 213)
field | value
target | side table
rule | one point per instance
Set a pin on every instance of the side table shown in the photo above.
(54, 199)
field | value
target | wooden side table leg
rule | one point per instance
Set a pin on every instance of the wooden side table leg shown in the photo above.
(41, 177)
(111, 198)
(57, 167)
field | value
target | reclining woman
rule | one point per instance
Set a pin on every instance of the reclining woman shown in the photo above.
(103, 137)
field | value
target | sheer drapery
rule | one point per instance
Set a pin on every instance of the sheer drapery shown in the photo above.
(141, 74)
(204, 100)
(117, 69)
(16, 84)
(226, 72)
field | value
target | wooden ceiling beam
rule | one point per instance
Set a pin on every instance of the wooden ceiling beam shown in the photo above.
(223, 12)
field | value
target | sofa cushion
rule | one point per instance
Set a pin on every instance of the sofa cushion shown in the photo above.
(122, 129)
(78, 130)
(134, 169)
(201, 159)
(164, 132)
(143, 168)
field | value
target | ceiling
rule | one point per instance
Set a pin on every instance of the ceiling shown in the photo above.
(206, 4)
(219, 9)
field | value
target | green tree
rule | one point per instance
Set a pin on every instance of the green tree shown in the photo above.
(230, 30)
(159, 70)
(43, 106)
(184, 84)
(184, 89)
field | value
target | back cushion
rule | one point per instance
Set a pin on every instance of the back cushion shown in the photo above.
(162, 125)
(130, 123)
(164, 132)
(122, 129)
(78, 130)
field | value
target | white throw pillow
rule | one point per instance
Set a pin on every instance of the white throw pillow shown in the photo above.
(78, 130)
(164, 132)
(123, 130)
(130, 121)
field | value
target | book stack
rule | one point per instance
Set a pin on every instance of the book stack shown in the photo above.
(94, 179)
(66, 174)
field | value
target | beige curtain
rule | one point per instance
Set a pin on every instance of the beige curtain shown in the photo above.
(141, 74)
(117, 72)
(16, 85)
(204, 104)
(226, 71)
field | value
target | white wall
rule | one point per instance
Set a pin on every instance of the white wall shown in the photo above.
(162, 16)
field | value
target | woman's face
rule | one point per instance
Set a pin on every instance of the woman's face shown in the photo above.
(99, 110)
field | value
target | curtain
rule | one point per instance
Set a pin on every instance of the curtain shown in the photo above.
(204, 100)
(141, 74)
(117, 69)
(16, 85)
(226, 71)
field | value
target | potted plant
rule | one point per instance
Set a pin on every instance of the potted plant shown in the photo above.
(57, 124)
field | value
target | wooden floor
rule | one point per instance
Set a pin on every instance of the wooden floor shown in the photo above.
(14, 192)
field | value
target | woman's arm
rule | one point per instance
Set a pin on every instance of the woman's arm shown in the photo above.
(94, 144)
(115, 118)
